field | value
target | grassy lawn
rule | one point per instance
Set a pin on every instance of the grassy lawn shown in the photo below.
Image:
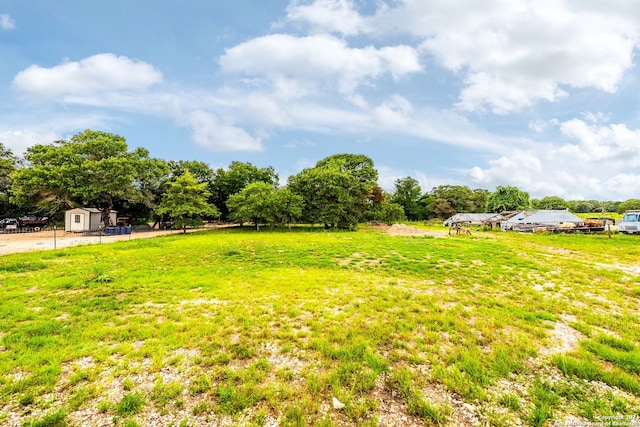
(234, 327)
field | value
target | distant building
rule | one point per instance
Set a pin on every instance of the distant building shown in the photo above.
(79, 220)
(472, 219)
(549, 218)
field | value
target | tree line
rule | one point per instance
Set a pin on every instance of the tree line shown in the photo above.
(97, 169)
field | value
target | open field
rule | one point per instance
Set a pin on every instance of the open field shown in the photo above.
(233, 327)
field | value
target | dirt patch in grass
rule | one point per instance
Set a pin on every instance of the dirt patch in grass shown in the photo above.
(407, 230)
(564, 339)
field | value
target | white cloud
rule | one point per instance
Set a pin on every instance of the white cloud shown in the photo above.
(18, 140)
(542, 126)
(600, 163)
(208, 132)
(7, 23)
(339, 16)
(96, 74)
(510, 54)
(394, 113)
(319, 61)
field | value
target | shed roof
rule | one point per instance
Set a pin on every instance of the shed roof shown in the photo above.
(470, 217)
(92, 210)
(546, 216)
(480, 218)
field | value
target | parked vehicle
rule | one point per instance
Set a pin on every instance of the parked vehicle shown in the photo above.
(27, 223)
(9, 224)
(630, 223)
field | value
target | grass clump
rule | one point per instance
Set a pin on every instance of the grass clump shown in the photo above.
(402, 381)
(56, 418)
(130, 404)
(162, 393)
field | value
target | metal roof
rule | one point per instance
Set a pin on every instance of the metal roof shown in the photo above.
(547, 216)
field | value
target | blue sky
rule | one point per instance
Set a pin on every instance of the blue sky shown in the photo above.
(542, 95)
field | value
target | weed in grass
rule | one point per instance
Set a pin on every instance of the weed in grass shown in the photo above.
(401, 380)
(539, 415)
(618, 352)
(241, 351)
(100, 275)
(201, 408)
(131, 423)
(315, 385)
(544, 399)
(359, 408)
(52, 419)
(200, 384)
(78, 376)
(233, 400)
(455, 380)
(497, 418)
(616, 343)
(128, 384)
(104, 406)
(510, 400)
(80, 396)
(26, 399)
(130, 404)
(588, 370)
(162, 393)
(470, 364)
(436, 414)
(294, 416)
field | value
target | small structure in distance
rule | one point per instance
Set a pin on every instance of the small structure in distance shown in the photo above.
(81, 220)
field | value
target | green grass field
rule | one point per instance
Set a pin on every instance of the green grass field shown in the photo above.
(234, 327)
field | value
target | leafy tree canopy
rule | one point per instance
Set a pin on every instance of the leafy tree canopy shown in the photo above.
(93, 169)
(337, 191)
(201, 171)
(260, 202)
(231, 181)
(508, 199)
(407, 193)
(9, 163)
(549, 202)
(185, 202)
(629, 204)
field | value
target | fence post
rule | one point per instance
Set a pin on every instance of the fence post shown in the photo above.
(55, 227)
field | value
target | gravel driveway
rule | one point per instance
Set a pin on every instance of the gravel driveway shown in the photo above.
(44, 240)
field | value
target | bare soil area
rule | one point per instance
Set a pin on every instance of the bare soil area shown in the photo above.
(43, 240)
(407, 230)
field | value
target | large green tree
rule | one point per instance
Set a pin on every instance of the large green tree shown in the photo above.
(629, 205)
(8, 165)
(286, 207)
(251, 204)
(262, 203)
(236, 177)
(407, 193)
(185, 202)
(549, 202)
(446, 200)
(337, 191)
(508, 198)
(93, 169)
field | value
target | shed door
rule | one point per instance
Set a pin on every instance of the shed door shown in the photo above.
(77, 222)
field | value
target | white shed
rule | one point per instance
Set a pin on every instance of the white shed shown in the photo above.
(85, 219)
